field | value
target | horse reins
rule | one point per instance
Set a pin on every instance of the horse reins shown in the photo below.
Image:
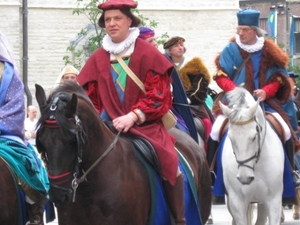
(257, 154)
(51, 123)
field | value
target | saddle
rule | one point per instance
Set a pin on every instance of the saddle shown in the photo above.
(201, 111)
(142, 145)
(275, 124)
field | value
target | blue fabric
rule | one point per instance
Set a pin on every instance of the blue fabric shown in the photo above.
(192, 205)
(229, 60)
(22, 219)
(248, 17)
(297, 160)
(6, 79)
(25, 163)
(12, 107)
(159, 214)
(256, 58)
(180, 122)
(219, 187)
(179, 96)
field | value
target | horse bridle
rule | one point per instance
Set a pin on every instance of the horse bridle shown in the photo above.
(81, 141)
(257, 153)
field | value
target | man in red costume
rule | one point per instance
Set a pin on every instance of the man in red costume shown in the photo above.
(118, 98)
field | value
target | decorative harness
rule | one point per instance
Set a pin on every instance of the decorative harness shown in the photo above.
(257, 154)
(51, 123)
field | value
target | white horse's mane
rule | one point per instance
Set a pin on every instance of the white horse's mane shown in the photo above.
(238, 98)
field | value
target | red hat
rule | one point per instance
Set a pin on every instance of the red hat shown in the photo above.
(117, 4)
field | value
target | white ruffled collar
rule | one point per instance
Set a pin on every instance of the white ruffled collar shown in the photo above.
(251, 48)
(116, 48)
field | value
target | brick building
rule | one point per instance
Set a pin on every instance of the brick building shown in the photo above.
(206, 26)
(284, 9)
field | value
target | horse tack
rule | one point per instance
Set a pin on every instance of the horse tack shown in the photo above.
(80, 138)
(276, 125)
(122, 164)
(241, 183)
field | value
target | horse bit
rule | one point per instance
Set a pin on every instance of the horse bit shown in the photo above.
(81, 141)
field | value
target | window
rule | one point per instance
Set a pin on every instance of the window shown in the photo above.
(297, 36)
(263, 23)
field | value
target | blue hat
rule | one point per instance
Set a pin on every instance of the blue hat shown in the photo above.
(248, 17)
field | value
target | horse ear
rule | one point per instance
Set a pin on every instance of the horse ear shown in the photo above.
(253, 108)
(72, 105)
(226, 110)
(40, 95)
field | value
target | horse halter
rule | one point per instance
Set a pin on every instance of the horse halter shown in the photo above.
(81, 136)
(257, 153)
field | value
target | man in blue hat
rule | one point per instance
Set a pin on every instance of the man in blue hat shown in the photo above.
(259, 65)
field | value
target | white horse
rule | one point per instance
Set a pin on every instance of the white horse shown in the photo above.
(253, 162)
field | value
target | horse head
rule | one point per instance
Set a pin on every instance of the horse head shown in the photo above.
(244, 132)
(61, 138)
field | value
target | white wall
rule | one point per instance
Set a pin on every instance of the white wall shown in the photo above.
(207, 25)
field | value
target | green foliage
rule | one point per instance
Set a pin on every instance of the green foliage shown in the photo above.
(90, 9)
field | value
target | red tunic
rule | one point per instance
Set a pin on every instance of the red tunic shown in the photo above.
(154, 70)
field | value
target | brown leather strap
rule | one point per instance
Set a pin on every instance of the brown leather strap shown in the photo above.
(241, 66)
(213, 162)
(223, 128)
(276, 125)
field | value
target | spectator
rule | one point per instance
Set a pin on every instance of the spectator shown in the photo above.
(148, 35)
(68, 73)
(30, 124)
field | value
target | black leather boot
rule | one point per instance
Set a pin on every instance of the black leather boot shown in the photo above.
(290, 149)
(212, 147)
(175, 198)
(36, 211)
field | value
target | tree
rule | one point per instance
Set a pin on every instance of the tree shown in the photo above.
(93, 34)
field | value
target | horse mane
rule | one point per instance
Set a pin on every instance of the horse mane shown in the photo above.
(65, 93)
(238, 98)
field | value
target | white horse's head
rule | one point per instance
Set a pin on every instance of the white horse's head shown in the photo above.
(244, 131)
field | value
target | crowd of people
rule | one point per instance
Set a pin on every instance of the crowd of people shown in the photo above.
(171, 81)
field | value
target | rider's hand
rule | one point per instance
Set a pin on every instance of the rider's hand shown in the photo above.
(124, 123)
(260, 94)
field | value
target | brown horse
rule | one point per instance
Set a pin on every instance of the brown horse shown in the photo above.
(95, 175)
(8, 196)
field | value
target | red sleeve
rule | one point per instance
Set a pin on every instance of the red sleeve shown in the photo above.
(271, 89)
(225, 83)
(158, 98)
(93, 94)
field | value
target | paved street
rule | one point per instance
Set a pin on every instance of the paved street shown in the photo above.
(222, 217)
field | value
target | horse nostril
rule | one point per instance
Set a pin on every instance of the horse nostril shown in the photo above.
(250, 179)
(245, 181)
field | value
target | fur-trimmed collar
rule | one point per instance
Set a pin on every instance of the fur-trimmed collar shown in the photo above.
(117, 48)
(275, 55)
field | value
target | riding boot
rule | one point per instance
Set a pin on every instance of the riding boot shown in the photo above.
(175, 198)
(36, 211)
(212, 147)
(289, 149)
